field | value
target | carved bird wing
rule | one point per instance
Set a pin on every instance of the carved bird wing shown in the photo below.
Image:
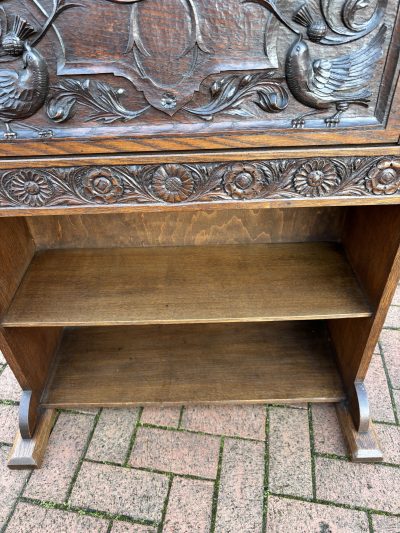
(332, 78)
(10, 90)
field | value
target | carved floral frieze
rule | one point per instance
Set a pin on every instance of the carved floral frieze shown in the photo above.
(200, 182)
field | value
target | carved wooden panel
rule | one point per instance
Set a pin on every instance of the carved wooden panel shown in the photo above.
(126, 67)
(318, 177)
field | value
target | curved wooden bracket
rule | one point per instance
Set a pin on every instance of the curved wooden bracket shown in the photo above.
(359, 407)
(28, 414)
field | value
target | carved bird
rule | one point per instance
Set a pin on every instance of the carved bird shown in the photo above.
(23, 92)
(326, 83)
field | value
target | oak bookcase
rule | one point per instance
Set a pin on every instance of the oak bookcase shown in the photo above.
(176, 225)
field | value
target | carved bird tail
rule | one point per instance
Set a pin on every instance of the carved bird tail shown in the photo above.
(22, 29)
(361, 98)
(304, 16)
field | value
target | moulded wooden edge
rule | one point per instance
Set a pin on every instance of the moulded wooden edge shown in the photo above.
(228, 140)
(29, 453)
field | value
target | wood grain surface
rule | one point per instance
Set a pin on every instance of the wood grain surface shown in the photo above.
(119, 366)
(197, 228)
(187, 284)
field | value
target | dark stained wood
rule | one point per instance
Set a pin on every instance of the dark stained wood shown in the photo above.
(200, 183)
(187, 284)
(157, 65)
(260, 183)
(210, 156)
(194, 363)
(196, 228)
(29, 453)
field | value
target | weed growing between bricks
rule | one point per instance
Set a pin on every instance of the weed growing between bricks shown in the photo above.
(266, 472)
(216, 487)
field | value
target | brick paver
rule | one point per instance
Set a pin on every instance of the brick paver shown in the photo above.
(112, 436)
(161, 416)
(290, 516)
(390, 342)
(176, 451)
(33, 519)
(67, 442)
(247, 421)
(393, 317)
(362, 485)
(378, 391)
(124, 527)
(178, 481)
(11, 484)
(9, 386)
(118, 490)
(396, 396)
(389, 437)
(396, 298)
(328, 437)
(290, 454)
(240, 497)
(8, 423)
(386, 524)
(189, 506)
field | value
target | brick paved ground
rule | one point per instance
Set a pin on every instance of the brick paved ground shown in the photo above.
(239, 469)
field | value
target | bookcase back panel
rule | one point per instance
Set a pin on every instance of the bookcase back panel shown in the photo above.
(187, 228)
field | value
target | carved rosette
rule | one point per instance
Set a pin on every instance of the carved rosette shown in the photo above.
(243, 181)
(28, 188)
(172, 183)
(178, 184)
(101, 185)
(384, 178)
(316, 178)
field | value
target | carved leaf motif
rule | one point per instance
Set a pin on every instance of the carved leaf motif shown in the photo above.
(350, 11)
(61, 107)
(100, 97)
(230, 92)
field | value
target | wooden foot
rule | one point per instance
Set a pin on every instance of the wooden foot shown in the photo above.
(363, 445)
(29, 453)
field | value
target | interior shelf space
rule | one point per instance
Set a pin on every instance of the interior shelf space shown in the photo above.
(177, 364)
(187, 284)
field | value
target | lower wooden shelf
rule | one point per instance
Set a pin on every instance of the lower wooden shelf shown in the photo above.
(253, 362)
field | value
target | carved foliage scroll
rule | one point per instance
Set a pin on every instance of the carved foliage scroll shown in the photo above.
(206, 182)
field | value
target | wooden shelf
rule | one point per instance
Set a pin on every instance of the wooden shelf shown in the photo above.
(137, 286)
(117, 366)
